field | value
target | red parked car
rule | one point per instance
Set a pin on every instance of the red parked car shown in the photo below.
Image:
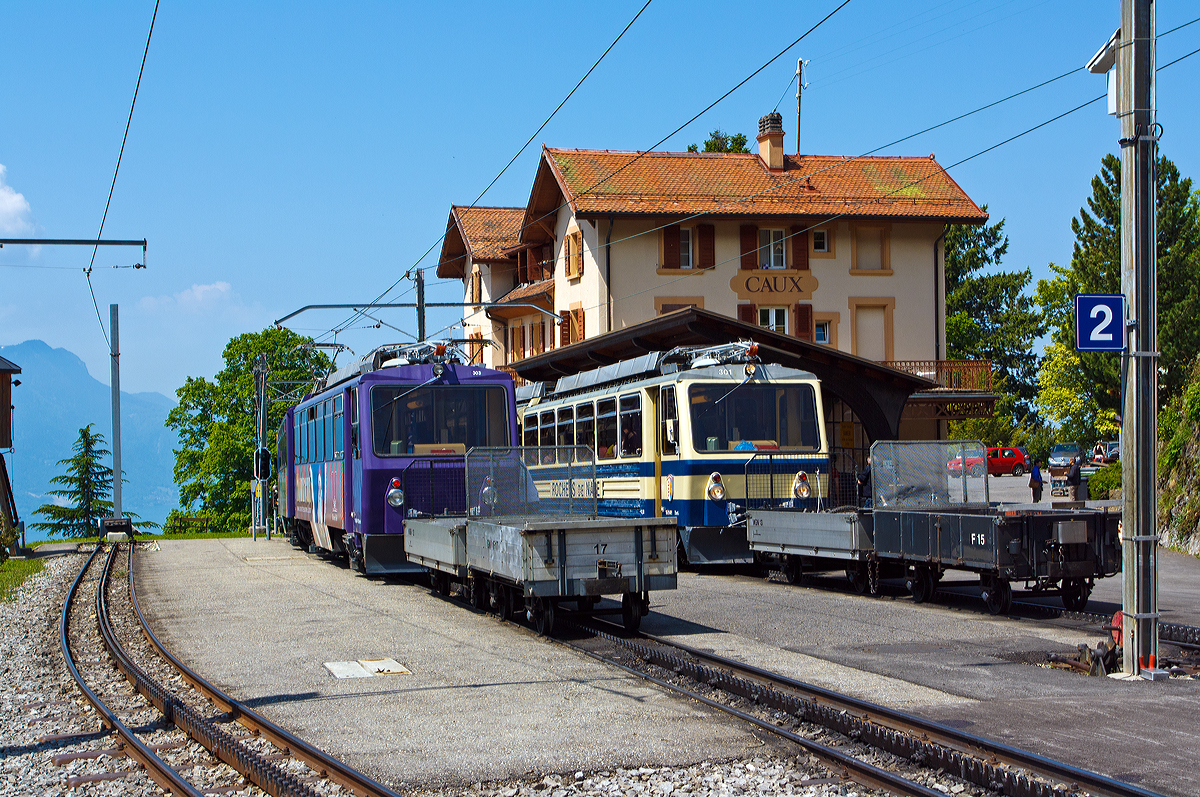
(1001, 461)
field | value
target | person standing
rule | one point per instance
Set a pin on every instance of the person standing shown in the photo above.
(864, 485)
(1035, 481)
(1074, 478)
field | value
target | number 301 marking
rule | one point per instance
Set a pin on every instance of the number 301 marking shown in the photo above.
(1098, 332)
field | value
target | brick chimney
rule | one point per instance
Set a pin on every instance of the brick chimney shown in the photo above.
(770, 140)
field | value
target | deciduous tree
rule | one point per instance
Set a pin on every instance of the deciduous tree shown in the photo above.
(720, 141)
(215, 422)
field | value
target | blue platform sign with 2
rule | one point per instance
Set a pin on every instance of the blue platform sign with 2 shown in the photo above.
(1099, 322)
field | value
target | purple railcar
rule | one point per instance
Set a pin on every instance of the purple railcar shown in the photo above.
(381, 441)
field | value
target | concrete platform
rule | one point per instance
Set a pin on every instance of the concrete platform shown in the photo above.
(958, 665)
(485, 700)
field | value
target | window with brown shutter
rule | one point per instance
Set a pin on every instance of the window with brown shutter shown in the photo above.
(476, 287)
(538, 345)
(799, 247)
(749, 242)
(578, 326)
(546, 262)
(670, 243)
(748, 313)
(804, 322)
(476, 348)
(575, 254)
(564, 329)
(522, 267)
(706, 246)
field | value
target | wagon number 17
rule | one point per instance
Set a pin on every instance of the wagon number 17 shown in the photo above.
(601, 547)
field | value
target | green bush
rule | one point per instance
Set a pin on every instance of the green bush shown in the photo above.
(1105, 481)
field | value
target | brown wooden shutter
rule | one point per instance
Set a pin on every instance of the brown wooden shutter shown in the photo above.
(748, 313)
(564, 329)
(577, 252)
(546, 262)
(804, 322)
(799, 247)
(706, 246)
(749, 238)
(476, 348)
(670, 239)
(539, 333)
(578, 324)
(522, 267)
(476, 287)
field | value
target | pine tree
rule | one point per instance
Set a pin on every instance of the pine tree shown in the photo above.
(988, 314)
(85, 488)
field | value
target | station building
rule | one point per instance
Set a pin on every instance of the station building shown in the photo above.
(844, 252)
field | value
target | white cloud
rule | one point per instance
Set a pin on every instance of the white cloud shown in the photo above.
(14, 209)
(198, 298)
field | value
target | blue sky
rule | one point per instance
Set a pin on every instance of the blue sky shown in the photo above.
(283, 154)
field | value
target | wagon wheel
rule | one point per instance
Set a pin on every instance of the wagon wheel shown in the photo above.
(1075, 594)
(502, 599)
(858, 579)
(631, 612)
(479, 594)
(997, 595)
(793, 570)
(920, 584)
(544, 614)
(1018, 470)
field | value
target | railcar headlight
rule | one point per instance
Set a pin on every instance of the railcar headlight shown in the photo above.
(800, 485)
(395, 495)
(438, 369)
(715, 489)
(489, 495)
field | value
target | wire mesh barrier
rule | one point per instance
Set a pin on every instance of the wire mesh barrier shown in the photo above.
(792, 481)
(531, 481)
(435, 486)
(928, 474)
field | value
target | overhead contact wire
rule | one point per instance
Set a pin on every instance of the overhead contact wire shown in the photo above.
(518, 153)
(128, 122)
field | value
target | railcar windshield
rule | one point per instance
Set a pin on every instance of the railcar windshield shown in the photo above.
(450, 419)
(753, 417)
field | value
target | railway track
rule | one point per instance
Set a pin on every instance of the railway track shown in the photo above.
(1185, 636)
(771, 702)
(186, 736)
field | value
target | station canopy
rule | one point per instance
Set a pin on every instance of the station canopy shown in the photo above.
(876, 393)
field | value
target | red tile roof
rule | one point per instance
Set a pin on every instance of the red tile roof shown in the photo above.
(488, 231)
(481, 232)
(726, 184)
(526, 293)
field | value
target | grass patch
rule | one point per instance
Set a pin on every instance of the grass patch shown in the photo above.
(13, 574)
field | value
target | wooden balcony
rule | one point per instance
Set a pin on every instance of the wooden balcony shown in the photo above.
(974, 376)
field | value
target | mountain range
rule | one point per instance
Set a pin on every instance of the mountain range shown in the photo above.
(56, 398)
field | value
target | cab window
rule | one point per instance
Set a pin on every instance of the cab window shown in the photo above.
(631, 425)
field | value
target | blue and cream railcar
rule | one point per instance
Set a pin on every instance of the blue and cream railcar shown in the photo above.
(383, 440)
(673, 431)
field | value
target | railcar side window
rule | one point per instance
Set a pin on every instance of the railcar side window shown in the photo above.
(530, 438)
(606, 428)
(310, 417)
(448, 419)
(760, 417)
(339, 450)
(354, 421)
(297, 439)
(566, 433)
(631, 425)
(669, 432)
(546, 436)
(585, 425)
(321, 424)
